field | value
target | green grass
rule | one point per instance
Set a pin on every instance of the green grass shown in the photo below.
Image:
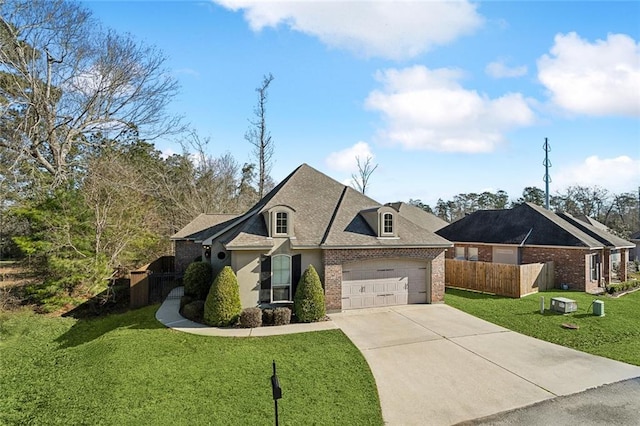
(615, 336)
(127, 369)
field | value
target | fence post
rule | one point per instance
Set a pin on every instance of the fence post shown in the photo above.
(138, 288)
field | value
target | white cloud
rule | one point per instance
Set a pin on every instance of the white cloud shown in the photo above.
(429, 109)
(619, 174)
(383, 28)
(498, 69)
(345, 160)
(600, 78)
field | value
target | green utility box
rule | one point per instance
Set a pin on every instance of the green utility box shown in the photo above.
(598, 308)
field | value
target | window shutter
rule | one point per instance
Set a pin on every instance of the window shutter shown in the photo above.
(265, 279)
(296, 272)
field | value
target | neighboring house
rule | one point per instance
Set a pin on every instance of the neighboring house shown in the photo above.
(582, 253)
(366, 253)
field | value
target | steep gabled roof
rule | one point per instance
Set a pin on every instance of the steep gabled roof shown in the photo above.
(526, 224)
(418, 216)
(203, 226)
(350, 229)
(326, 214)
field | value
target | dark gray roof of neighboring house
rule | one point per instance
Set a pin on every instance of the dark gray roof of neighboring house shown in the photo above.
(635, 236)
(203, 226)
(596, 231)
(591, 221)
(326, 214)
(526, 224)
(418, 216)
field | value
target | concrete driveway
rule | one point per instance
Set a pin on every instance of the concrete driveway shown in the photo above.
(436, 365)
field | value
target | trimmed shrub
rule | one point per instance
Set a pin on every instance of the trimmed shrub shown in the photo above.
(185, 300)
(267, 316)
(251, 318)
(197, 279)
(194, 311)
(222, 307)
(281, 316)
(308, 303)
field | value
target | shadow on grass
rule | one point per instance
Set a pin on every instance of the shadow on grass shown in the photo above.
(467, 294)
(104, 313)
(88, 330)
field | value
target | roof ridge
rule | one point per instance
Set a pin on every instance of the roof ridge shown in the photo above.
(333, 216)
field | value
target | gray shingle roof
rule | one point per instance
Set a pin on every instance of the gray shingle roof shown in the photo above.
(419, 217)
(598, 231)
(326, 214)
(527, 224)
(202, 226)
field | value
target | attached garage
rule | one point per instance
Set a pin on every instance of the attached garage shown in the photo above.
(385, 282)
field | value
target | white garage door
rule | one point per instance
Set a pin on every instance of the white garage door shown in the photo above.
(384, 283)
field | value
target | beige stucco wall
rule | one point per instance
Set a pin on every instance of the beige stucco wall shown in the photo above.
(246, 265)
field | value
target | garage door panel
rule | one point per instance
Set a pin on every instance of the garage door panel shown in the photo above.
(385, 283)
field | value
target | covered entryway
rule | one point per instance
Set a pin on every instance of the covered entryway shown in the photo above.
(385, 282)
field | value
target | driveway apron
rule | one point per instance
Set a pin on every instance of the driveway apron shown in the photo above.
(436, 365)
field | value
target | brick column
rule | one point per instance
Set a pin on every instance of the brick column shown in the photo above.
(624, 260)
(606, 266)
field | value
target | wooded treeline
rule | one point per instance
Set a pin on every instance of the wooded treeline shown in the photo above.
(619, 212)
(83, 190)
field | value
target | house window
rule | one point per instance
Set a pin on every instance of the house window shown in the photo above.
(281, 278)
(460, 253)
(387, 223)
(281, 223)
(473, 253)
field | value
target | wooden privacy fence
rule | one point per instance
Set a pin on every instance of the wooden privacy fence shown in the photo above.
(499, 278)
(152, 282)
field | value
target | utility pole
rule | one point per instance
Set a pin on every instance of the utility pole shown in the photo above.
(547, 177)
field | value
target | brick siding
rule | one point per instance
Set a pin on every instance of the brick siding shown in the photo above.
(485, 253)
(334, 259)
(571, 266)
(185, 253)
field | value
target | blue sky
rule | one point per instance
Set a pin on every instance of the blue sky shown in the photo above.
(447, 97)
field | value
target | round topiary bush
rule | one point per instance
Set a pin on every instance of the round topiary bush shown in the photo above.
(308, 303)
(251, 318)
(281, 316)
(194, 311)
(197, 279)
(222, 307)
(267, 316)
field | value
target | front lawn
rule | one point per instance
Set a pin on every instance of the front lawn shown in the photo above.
(128, 369)
(615, 336)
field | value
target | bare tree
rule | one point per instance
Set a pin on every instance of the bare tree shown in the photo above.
(260, 137)
(360, 180)
(67, 86)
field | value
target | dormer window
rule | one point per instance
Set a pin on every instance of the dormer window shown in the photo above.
(387, 223)
(282, 223)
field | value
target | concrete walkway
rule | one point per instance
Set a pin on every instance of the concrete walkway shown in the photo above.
(436, 365)
(169, 315)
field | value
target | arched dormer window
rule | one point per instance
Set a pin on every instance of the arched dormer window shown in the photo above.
(279, 220)
(387, 224)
